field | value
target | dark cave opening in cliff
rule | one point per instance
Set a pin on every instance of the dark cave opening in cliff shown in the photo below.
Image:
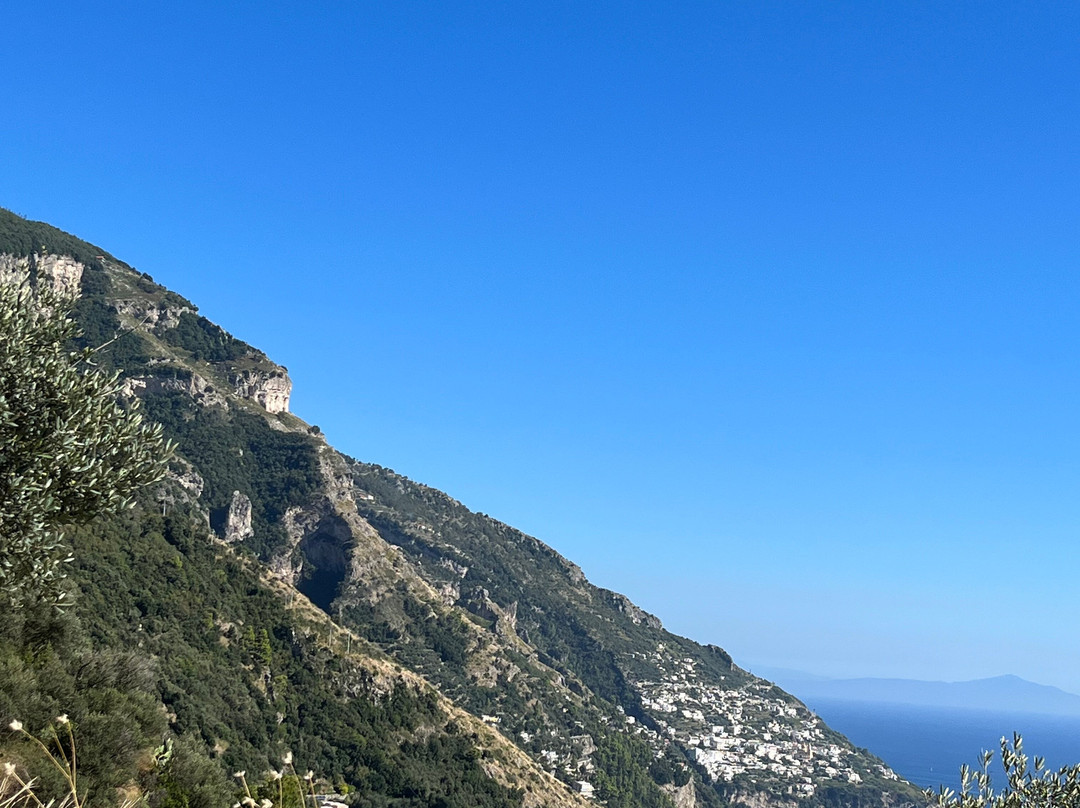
(325, 562)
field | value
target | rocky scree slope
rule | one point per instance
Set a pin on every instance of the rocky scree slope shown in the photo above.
(586, 692)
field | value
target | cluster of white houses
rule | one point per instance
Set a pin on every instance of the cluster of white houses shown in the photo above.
(747, 730)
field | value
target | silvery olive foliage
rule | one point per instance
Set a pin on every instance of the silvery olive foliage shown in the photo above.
(1035, 787)
(70, 447)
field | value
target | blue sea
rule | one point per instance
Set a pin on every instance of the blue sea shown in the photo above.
(927, 745)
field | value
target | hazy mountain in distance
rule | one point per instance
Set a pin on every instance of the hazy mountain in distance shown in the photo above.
(1006, 693)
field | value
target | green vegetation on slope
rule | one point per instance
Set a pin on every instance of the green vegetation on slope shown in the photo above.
(205, 341)
(496, 620)
(236, 450)
(171, 635)
(23, 237)
(238, 676)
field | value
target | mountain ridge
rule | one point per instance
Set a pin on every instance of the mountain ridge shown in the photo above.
(1003, 693)
(590, 691)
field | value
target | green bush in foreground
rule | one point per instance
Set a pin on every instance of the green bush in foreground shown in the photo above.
(69, 448)
(1025, 787)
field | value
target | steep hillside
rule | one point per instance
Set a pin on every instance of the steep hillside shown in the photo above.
(413, 651)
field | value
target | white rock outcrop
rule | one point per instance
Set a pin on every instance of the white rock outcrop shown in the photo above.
(148, 314)
(683, 797)
(634, 612)
(193, 385)
(238, 520)
(181, 484)
(63, 272)
(271, 390)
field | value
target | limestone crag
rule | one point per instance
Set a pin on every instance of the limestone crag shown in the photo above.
(504, 619)
(185, 475)
(450, 591)
(345, 552)
(301, 524)
(181, 484)
(157, 317)
(269, 389)
(329, 530)
(192, 384)
(574, 572)
(63, 272)
(238, 519)
(634, 612)
(683, 796)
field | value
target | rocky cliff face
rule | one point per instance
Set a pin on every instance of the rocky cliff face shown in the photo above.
(238, 518)
(63, 273)
(635, 613)
(682, 796)
(155, 315)
(270, 389)
(168, 380)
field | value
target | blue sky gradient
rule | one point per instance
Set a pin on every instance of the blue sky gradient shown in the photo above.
(765, 314)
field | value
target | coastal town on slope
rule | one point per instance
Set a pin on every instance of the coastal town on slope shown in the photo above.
(749, 731)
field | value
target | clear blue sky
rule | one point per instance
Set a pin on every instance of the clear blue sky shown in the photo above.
(764, 313)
